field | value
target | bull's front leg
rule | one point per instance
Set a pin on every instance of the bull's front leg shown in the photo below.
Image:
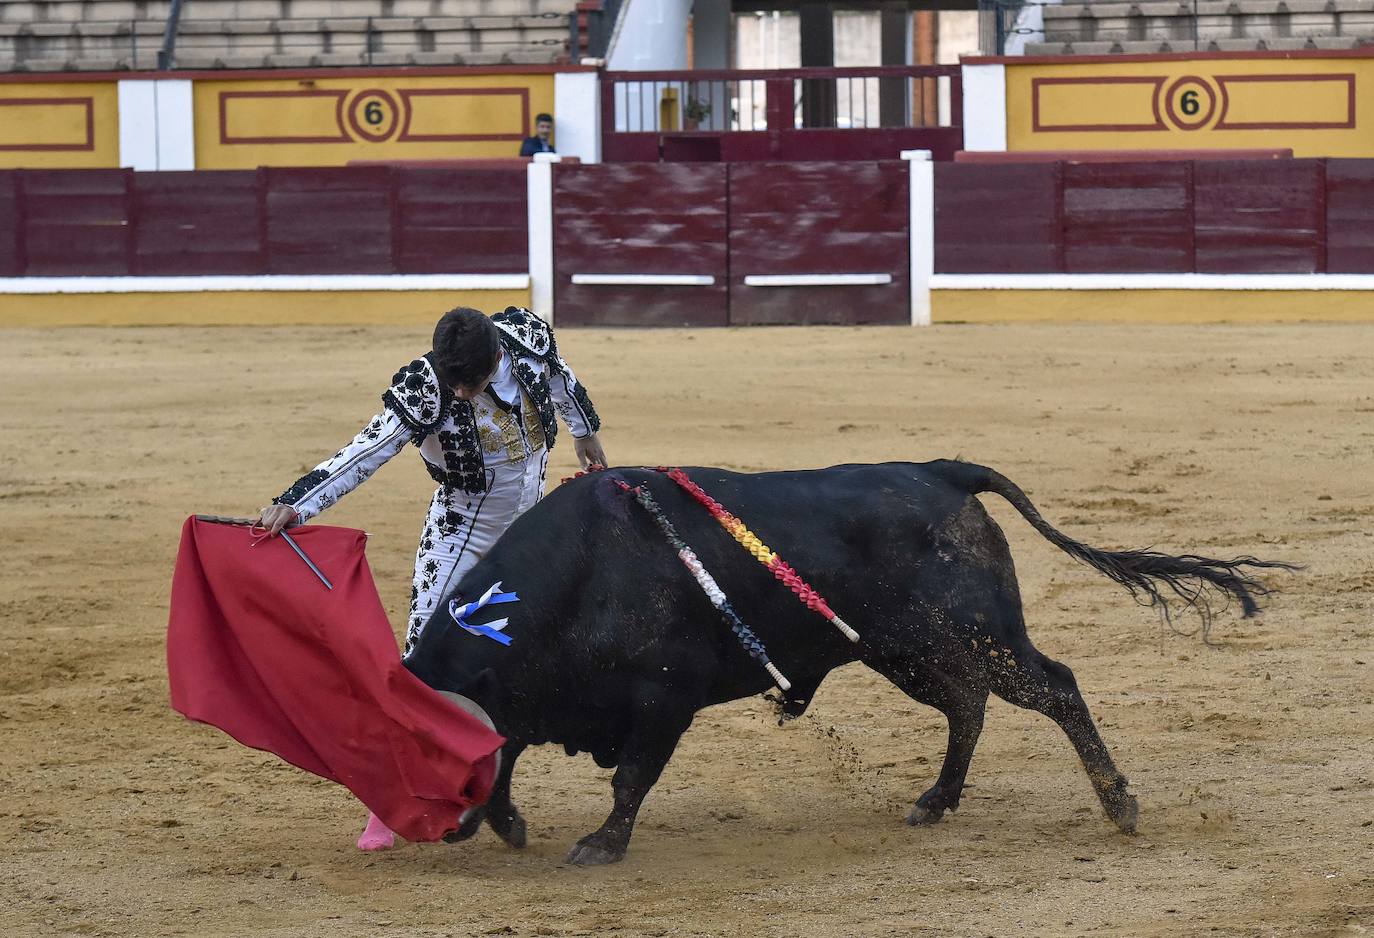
(502, 814)
(499, 811)
(642, 759)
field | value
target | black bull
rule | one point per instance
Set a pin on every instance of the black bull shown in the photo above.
(615, 647)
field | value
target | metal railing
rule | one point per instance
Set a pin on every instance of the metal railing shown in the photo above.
(741, 101)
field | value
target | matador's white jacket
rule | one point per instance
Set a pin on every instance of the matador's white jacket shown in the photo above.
(420, 409)
(488, 458)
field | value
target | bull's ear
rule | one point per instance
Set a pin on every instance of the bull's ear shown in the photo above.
(481, 687)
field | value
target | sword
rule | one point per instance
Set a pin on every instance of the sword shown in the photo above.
(308, 562)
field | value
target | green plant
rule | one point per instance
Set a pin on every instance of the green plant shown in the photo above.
(696, 109)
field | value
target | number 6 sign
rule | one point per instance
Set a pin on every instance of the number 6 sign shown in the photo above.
(1190, 103)
(373, 115)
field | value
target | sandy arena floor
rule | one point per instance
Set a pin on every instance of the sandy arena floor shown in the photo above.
(1253, 760)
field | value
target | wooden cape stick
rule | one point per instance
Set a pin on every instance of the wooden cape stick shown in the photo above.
(251, 523)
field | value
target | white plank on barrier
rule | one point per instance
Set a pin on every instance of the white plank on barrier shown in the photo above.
(268, 283)
(816, 280)
(645, 280)
(1152, 282)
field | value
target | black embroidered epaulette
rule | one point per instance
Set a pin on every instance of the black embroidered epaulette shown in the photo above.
(417, 397)
(533, 334)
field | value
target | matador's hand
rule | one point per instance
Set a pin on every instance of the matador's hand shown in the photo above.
(589, 451)
(276, 517)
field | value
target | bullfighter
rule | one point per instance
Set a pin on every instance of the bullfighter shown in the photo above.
(480, 408)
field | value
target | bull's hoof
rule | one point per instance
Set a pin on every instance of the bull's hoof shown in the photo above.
(920, 815)
(1125, 813)
(509, 826)
(591, 851)
(469, 824)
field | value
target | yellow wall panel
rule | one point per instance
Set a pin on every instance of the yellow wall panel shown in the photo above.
(1316, 105)
(330, 121)
(59, 125)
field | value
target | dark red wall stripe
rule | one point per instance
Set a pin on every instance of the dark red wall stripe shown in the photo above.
(367, 219)
(1350, 216)
(1278, 216)
(1240, 217)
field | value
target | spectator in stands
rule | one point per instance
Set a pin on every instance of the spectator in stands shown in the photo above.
(539, 143)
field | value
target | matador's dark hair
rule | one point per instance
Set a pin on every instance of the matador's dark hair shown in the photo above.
(466, 346)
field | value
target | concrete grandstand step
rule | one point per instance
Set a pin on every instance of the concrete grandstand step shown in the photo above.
(515, 38)
(200, 58)
(1214, 20)
(282, 60)
(1341, 42)
(392, 58)
(112, 28)
(32, 11)
(465, 57)
(1231, 45)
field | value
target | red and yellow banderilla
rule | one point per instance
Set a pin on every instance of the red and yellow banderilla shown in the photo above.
(762, 552)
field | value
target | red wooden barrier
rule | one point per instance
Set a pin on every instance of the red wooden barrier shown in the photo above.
(197, 223)
(76, 223)
(998, 219)
(1258, 217)
(640, 218)
(819, 218)
(331, 220)
(1128, 217)
(1244, 217)
(11, 220)
(375, 220)
(472, 221)
(1350, 216)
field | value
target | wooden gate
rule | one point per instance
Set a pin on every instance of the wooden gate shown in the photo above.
(698, 244)
(640, 244)
(819, 243)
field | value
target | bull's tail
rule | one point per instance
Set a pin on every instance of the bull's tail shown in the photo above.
(1146, 573)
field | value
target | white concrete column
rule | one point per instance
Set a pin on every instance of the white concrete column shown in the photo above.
(539, 183)
(577, 115)
(985, 107)
(921, 232)
(138, 124)
(176, 132)
(156, 125)
(650, 36)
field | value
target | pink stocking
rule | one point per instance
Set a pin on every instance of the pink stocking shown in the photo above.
(377, 836)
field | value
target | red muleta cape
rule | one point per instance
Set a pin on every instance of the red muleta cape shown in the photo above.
(259, 648)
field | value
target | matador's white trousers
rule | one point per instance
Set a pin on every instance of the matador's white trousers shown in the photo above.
(461, 528)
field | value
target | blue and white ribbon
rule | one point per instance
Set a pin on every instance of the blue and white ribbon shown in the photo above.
(492, 630)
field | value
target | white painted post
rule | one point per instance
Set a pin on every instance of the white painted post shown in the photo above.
(577, 115)
(176, 131)
(156, 125)
(985, 107)
(138, 124)
(539, 190)
(921, 232)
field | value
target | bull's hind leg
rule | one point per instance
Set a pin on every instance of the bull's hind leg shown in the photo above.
(1043, 684)
(963, 706)
(643, 755)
